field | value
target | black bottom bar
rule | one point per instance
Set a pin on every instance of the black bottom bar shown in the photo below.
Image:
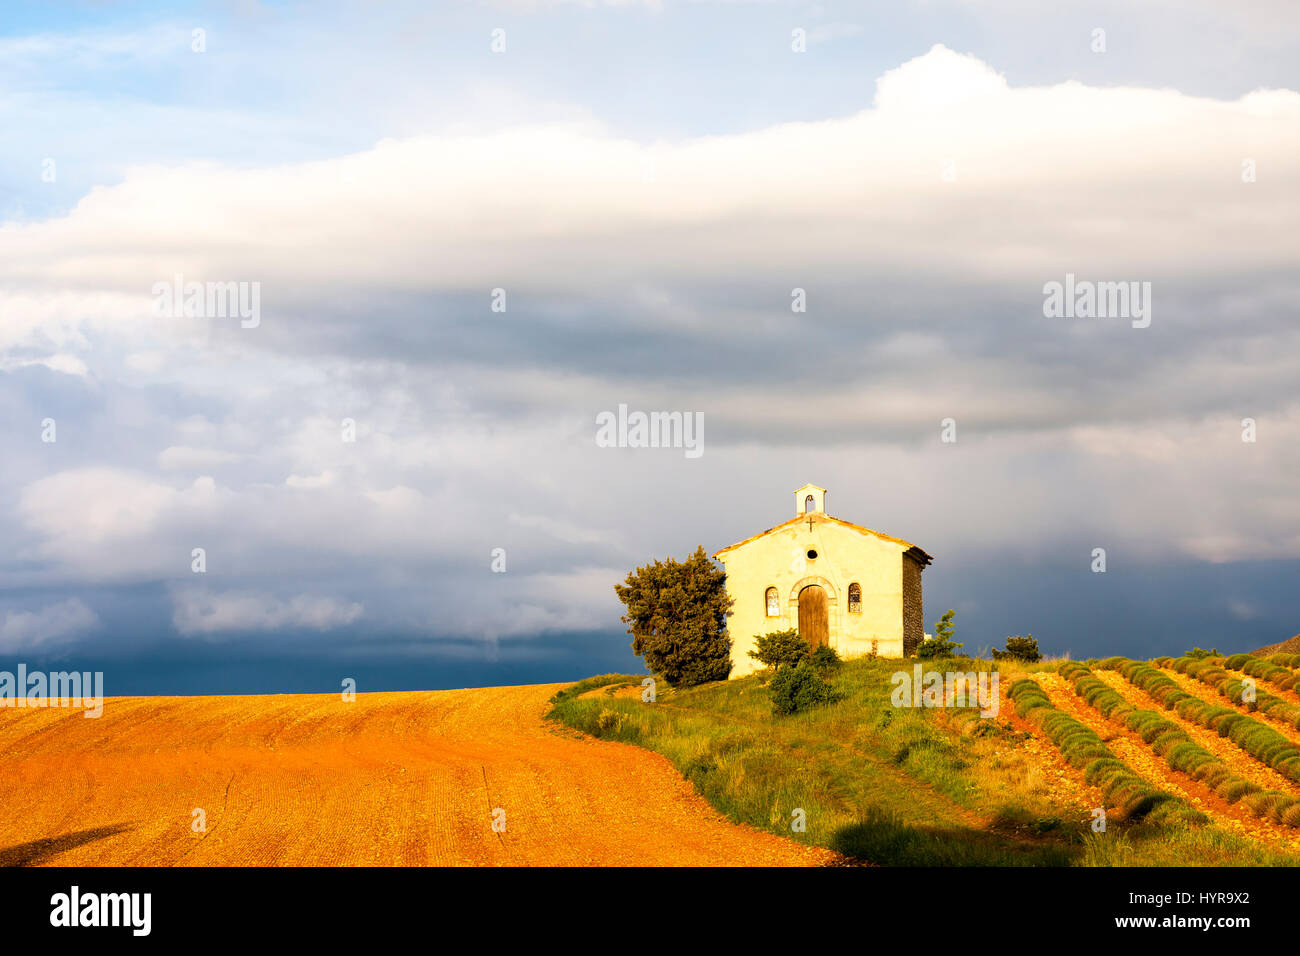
(332, 905)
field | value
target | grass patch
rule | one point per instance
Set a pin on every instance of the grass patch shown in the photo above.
(891, 785)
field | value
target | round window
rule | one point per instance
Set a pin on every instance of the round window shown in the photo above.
(812, 555)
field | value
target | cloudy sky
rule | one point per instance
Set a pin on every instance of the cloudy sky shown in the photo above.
(639, 189)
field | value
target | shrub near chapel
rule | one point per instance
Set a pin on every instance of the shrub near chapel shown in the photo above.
(942, 644)
(677, 616)
(1019, 649)
(780, 647)
(798, 688)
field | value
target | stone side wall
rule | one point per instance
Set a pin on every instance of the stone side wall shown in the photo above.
(913, 611)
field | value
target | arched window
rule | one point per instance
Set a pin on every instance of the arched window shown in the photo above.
(809, 505)
(855, 598)
(773, 603)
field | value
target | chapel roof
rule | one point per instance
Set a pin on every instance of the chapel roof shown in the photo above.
(916, 552)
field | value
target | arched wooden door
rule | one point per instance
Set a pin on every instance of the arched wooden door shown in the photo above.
(814, 623)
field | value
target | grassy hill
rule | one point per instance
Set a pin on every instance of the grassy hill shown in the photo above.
(1290, 646)
(943, 786)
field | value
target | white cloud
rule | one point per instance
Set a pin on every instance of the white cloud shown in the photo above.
(939, 81)
(323, 480)
(827, 32)
(52, 624)
(59, 362)
(94, 47)
(76, 510)
(560, 529)
(1243, 610)
(145, 361)
(199, 611)
(533, 604)
(455, 454)
(184, 458)
(1070, 175)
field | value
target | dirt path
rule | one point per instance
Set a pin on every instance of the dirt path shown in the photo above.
(391, 779)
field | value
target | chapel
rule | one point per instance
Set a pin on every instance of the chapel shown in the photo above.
(838, 583)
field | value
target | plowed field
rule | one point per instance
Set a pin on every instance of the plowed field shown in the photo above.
(390, 779)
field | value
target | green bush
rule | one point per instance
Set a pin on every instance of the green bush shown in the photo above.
(942, 644)
(1019, 649)
(780, 647)
(824, 659)
(798, 688)
(677, 616)
(1027, 697)
(1071, 669)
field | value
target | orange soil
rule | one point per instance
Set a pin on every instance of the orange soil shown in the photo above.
(1138, 755)
(390, 779)
(1046, 766)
